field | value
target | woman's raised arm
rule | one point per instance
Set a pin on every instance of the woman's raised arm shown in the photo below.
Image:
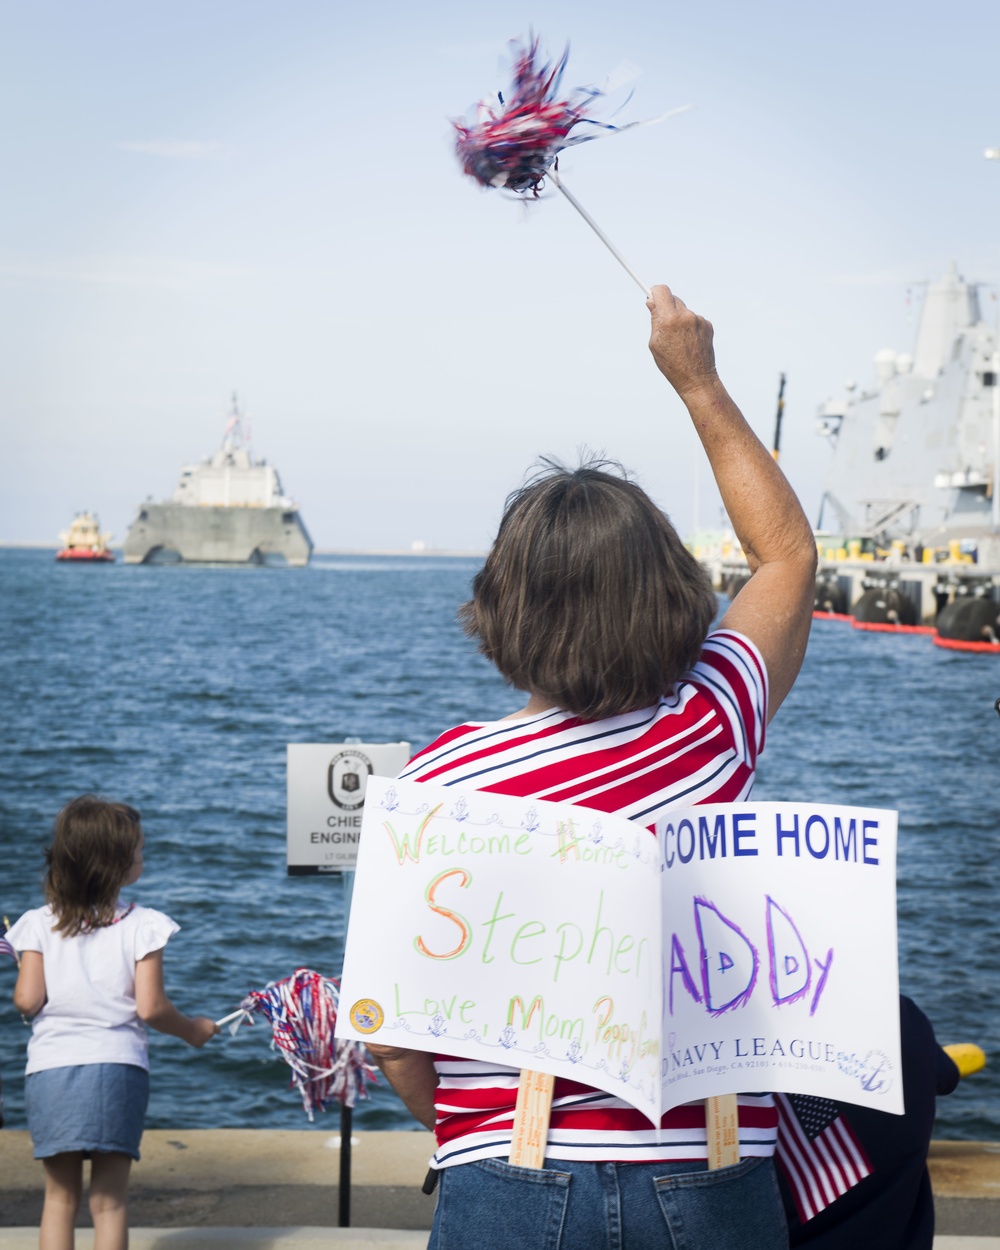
(774, 609)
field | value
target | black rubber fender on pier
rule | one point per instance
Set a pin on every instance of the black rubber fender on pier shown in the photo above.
(970, 619)
(943, 622)
(830, 596)
(884, 605)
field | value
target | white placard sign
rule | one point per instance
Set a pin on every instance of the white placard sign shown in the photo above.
(326, 786)
(747, 947)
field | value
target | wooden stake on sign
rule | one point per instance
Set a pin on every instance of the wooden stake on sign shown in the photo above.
(723, 1128)
(534, 1106)
(531, 1119)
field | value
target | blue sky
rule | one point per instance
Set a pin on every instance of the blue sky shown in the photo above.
(217, 196)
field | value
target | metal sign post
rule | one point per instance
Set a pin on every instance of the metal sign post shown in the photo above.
(326, 785)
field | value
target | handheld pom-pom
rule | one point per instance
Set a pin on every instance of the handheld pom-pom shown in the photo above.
(302, 1011)
(514, 143)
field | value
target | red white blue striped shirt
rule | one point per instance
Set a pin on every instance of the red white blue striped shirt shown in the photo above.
(698, 744)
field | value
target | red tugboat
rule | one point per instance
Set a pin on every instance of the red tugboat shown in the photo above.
(84, 543)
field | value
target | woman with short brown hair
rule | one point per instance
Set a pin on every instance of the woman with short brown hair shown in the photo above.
(590, 604)
(588, 597)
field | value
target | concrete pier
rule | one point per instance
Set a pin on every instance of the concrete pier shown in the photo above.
(261, 1188)
(927, 586)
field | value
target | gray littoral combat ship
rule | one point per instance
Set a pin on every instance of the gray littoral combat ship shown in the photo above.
(229, 509)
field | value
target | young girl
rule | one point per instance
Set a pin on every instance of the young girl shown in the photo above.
(91, 976)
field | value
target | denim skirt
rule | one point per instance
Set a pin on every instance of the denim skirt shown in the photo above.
(609, 1206)
(92, 1107)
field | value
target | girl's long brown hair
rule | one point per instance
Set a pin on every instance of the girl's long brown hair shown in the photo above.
(93, 847)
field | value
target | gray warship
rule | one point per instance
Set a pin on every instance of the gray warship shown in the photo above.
(916, 456)
(913, 485)
(230, 509)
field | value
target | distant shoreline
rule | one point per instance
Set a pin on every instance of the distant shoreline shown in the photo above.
(317, 551)
(402, 551)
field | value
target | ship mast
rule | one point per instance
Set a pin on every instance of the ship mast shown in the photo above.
(233, 434)
(776, 449)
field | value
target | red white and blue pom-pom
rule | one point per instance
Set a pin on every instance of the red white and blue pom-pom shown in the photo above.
(302, 1011)
(515, 142)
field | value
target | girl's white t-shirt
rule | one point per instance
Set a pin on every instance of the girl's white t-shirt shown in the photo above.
(89, 1015)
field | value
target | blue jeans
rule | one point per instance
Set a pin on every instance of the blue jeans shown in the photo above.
(490, 1205)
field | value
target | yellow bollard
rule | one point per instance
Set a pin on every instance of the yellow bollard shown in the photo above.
(967, 1057)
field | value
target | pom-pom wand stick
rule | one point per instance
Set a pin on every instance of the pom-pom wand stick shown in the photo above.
(239, 1014)
(599, 232)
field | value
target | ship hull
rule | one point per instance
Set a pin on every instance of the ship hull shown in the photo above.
(170, 532)
(74, 555)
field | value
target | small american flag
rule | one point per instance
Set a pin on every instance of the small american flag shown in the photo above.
(817, 1151)
(7, 949)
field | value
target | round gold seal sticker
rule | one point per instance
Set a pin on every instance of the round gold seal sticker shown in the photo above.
(367, 1016)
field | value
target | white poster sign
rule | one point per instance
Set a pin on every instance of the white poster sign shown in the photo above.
(747, 947)
(326, 786)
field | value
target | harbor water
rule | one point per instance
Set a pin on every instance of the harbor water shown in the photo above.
(177, 689)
